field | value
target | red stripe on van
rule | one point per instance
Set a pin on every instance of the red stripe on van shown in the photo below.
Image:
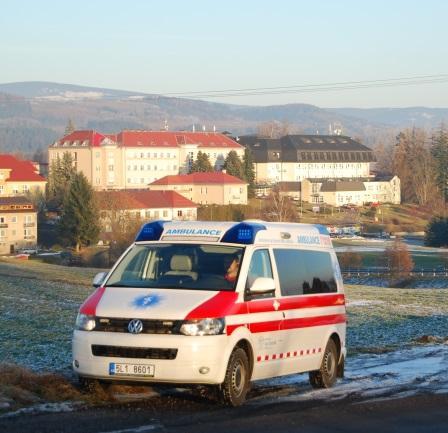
(304, 322)
(221, 305)
(90, 304)
(224, 304)
(294, 302)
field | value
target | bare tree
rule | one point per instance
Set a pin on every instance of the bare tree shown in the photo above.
(274, 129)
(399, 259)
(280, 207)
(414, 165)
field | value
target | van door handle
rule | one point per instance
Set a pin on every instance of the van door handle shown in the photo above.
(284, 315)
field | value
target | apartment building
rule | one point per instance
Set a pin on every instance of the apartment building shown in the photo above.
(134, 159)
(18, 224)
(18, 177)
(294, 158)
(205, 188)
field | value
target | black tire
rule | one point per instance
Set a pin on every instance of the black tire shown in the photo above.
(236, 382)
(326, 376)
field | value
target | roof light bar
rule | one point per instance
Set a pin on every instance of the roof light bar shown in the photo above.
(242, 233)
(150, 231)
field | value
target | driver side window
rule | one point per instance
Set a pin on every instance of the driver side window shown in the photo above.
(260, 266)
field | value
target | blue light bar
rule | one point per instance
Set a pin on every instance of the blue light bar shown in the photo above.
(322, 229)
(150, 231)
(242, 233)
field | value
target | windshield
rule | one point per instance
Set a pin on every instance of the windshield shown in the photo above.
(179, 266)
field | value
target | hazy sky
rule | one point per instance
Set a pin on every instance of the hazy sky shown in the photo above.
(197, 45)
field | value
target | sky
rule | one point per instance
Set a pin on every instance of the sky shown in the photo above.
(172, 47)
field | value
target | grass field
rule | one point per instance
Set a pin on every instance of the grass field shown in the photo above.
(39, 303)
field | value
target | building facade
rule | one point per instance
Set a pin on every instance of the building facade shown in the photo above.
(145, 205)
(330, 169)
(294, 158)
(19, 177)
(341, 192)
(18, 224)
(205, 188)
(134, 159)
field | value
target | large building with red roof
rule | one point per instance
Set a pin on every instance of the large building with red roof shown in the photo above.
(18, 177)
(134, 159)
(145, 205)
(205, 188)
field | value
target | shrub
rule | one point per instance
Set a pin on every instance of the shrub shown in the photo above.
(437, 232)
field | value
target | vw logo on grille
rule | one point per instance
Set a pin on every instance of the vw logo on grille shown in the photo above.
(135, 326)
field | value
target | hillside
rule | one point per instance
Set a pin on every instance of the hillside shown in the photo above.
(33, 114)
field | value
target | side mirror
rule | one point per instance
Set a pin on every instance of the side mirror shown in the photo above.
(262, 285)
(98, 279)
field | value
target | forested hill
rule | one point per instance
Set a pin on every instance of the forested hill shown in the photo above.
(34, 114)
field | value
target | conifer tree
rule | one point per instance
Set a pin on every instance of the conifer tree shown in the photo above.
(233, 165)
(202, 164)
(79, 221)
(437, 232)
(249, 172)
(62, 172)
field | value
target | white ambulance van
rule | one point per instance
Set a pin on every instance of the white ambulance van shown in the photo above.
(216, 303)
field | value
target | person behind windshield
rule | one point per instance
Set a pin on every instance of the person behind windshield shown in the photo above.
(232, 270)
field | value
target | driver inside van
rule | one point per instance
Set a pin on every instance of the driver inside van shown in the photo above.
(232, 270)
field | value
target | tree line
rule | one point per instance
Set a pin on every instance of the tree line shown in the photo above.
(420, 160)
(235, 166)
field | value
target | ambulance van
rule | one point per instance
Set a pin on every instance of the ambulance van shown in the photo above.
(219, 304)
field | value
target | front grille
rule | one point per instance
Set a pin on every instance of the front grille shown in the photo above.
(104, 324)
(133, 352)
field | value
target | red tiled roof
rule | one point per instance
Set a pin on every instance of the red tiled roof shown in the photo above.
(21, 171)
(143, 199)
(94, 138)
(217, 177)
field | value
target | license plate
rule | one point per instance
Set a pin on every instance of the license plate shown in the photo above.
(125, 369)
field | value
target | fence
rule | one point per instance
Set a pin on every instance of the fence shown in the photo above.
(386, 272)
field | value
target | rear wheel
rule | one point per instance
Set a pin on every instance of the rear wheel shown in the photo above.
(326, 376)
(236, 381)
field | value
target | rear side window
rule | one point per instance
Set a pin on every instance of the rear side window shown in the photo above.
(304, 272)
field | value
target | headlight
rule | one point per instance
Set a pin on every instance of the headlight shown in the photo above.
(203, 327)
(85, 322)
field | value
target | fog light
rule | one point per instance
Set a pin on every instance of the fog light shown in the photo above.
(76, 363)
(204, 370)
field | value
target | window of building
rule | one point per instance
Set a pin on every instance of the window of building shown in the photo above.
(304, 272)
(110, 167)
(165, 214)
(179, 213)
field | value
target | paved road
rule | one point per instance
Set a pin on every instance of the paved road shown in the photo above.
(424, 413)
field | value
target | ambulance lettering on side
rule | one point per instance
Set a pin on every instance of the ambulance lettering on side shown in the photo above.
(219, 304)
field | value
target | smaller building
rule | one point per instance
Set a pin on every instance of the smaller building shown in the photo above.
(339, 192)
(205, 188)
(145, 205)
(18, 224)
(18, 177)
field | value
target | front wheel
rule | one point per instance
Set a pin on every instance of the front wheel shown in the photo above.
(236, 381)
(326, 376)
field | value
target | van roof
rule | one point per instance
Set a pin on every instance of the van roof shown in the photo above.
(245, 232)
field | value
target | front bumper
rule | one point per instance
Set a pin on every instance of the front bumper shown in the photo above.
(193, 354)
